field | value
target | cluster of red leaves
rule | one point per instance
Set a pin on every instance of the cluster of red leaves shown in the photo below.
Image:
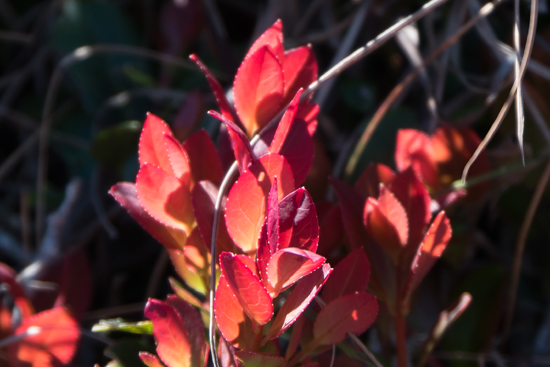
(45, 339)
(269, 240)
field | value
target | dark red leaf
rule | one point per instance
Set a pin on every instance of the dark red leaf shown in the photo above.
(272, 219)
(352, 313)
(293, 141)
(239, 142)
(368, 183)
(351, 207)
(204, 196)
(299, 226)
(298, 300)
(254, 359)
(189, 115)
(300, 70)
(350, 275)
(216, 88)
(204, 160)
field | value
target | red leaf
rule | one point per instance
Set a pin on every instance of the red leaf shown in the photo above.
(285, 125)
(293, 141)
(300, 70)
(351, 206)
(409, 145)
(253, 359)
(204, 160)
(368, 183)
(352, 313)
(429, 251)
(234, 325)
(164, 197)
(349, 276)
(204, 196)
(179, 161)
(263, 255)
(216, 88)
(239, 142)
(272, 37)
(193, 325)
(239, 271)
(52, 340)
(308, 112)
(189, 115)
(151, 143)
(298, 300)
(150, 360)
(126, 195)
(258, 89)
(272, 219)
(288, 265)
(331, 232)
(298, 226)
(195, 278)
(412, 194)
(387, 222)
(173, 345)
(245, 209)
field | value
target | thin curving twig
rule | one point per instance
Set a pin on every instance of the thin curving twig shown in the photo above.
(520, 246)
(517, 83)
(398, 89)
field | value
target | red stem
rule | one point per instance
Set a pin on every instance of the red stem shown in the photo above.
(401, 338)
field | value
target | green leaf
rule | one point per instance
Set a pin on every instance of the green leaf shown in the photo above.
(141, 327)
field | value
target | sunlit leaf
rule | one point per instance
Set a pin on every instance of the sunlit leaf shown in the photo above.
(53, 337)
(299, 226)
(203, 158)
(126, 195)
(258, 89)
(239, 271)
(118, 324)
(245, 209)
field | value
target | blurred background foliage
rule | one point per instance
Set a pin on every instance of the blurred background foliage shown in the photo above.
(97, 98)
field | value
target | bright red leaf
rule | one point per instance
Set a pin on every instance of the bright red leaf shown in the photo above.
(289, 265)
(52, 340)
(173, 344)
(165, 197)
(151, 145)
(258, 89)
(433, 245)
(179, 161)
(273, 37)
(239, 271)
(126, 195)
(233, 323)
(387, 222)
(300, 70)
(245, 209)
(150, 360)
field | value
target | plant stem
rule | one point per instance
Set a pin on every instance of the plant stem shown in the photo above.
(401, 338)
